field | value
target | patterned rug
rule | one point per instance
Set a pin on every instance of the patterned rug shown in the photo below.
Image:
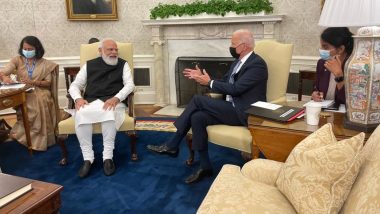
(156, 124)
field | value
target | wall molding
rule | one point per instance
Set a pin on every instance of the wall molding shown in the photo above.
(146, 94)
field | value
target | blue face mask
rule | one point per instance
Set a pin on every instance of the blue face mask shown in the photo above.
(29, 54)
(324, 54)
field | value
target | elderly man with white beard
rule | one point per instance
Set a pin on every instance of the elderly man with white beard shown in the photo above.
(108, 81)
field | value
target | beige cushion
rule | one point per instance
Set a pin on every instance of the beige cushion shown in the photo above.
(365, 193)
(262, 170)
(67, 126)
(236, 137)
(319, 172)
(232, 192)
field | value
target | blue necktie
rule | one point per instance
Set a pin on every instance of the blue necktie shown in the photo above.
(232, 80)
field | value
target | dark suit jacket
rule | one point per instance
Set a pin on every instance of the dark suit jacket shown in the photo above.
(250, 84)
(323, 79)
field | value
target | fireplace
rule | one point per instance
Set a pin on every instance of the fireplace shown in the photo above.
(216, 67)
(203, 37)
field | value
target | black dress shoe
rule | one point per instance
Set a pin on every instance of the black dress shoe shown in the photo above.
(199, 175)
(108, 167)
(163, 149)
(85, 169)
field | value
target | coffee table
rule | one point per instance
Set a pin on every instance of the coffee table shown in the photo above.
(43, 198)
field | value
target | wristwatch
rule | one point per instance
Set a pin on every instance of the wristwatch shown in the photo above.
(209, 83)
(339, 79)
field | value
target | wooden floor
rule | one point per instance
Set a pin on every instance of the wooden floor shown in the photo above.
(142, 110)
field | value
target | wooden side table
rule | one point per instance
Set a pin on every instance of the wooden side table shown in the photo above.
(43, 198)
(276, 140)
(16, 97)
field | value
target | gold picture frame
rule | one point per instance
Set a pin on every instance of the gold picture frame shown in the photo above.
(91, 10)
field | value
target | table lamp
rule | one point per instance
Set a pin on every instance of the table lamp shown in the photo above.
(362, 69)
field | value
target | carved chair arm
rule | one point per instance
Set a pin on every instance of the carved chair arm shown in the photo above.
(129, 103)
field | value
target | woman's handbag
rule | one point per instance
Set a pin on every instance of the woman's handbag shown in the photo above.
(5, 129)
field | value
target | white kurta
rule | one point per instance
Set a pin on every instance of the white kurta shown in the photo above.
(93, 113)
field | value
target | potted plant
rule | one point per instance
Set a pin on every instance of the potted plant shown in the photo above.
(216, 7)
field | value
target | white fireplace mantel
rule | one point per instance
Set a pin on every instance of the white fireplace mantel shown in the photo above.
(192, 29)
(214, 20)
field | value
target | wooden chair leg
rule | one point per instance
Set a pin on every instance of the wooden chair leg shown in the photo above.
(61, 142)
(255, 151)
(133, 136)
(246, 156)
(189, 141)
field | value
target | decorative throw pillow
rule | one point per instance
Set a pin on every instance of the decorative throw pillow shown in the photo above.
(319, 172)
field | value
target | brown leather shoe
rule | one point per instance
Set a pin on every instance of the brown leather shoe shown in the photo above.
(199, 175)
(163, 149)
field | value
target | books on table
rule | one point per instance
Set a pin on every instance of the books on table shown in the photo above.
(12, 187)
(275, 112)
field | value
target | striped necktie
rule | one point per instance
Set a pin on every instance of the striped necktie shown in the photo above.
(232, 80)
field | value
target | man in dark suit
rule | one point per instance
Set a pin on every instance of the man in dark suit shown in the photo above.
(244, 84)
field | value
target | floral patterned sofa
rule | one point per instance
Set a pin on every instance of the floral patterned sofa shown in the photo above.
(255, 189)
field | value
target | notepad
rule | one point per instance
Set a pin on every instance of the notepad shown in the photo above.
(12, 86)
(324, 103)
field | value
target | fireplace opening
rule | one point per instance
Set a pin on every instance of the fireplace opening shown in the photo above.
(216, 67)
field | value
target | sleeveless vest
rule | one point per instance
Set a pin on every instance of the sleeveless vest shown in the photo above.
(103, 81)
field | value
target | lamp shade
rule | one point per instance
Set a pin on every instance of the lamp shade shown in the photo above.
(350, 13)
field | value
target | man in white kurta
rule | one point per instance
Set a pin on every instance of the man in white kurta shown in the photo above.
(107, 81)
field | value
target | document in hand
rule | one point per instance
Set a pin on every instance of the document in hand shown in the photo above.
(281, 113)
(12, 187)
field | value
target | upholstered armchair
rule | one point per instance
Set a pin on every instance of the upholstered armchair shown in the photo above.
(66, 127)
(278, 57)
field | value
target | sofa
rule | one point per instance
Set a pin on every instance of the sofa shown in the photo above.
(254, 187)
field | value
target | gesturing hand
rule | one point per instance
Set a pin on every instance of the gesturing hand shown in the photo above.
(191, 73)
(202, 79)
(79, 103)
(111, 103)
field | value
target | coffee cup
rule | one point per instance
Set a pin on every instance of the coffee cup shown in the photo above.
(312, 113)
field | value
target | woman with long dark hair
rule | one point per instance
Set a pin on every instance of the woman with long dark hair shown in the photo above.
(336, 47)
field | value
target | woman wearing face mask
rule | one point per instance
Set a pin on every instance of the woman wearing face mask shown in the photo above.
(336, 47)
(32, 69)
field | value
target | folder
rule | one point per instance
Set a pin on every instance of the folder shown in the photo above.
(280, 114)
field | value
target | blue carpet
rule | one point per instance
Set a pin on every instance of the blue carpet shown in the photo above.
(154, 184)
